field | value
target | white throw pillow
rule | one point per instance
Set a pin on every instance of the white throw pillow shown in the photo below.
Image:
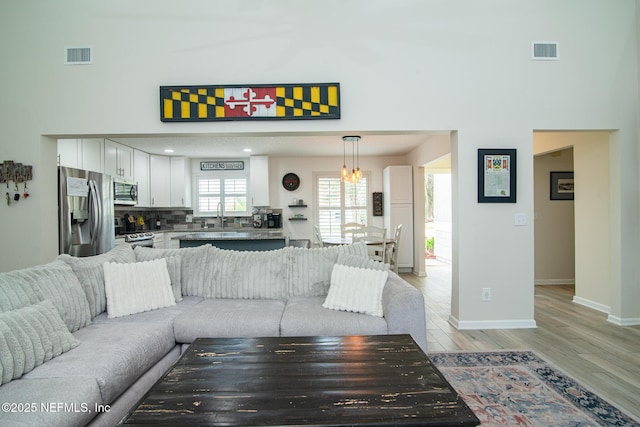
(356, 289)
(136, 287)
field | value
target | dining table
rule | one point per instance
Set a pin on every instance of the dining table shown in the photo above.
(335, 241)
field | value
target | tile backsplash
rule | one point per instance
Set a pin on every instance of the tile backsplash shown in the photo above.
(175, 219)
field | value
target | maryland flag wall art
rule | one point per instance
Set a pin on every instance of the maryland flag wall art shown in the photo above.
(249, 102)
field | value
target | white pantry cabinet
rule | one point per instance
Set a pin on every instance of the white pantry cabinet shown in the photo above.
(398, 209)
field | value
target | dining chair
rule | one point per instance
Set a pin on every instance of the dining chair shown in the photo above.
(393, 248)
(374, 237)
(318, 234)
(348, 228)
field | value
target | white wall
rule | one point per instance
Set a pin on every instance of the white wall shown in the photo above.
(593, 217)
(460, 65)
(305, 167)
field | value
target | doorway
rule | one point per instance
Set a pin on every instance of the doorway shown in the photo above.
(588, 252)
(438, 212)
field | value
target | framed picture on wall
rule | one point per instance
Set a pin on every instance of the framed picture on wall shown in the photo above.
(496, 175)
(561, 186)
(377, 204)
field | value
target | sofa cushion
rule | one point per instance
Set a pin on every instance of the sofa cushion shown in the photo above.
(55, 282)
(30, 336)
(356, 289)
(90, 273)
(114, 353)
(362, 262)
(246, 274)
(78, 395)
(304, 316)
(311, 268)
(229, 318)
(136, 287)
(192, 263)
(163, 316)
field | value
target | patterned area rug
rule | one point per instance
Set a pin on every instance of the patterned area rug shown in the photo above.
(517, 388)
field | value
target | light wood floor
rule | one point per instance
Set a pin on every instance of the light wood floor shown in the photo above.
(601, 356)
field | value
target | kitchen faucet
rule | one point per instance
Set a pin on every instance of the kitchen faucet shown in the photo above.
(220, 214)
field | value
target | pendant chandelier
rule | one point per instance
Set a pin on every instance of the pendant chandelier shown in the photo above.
(355, 174)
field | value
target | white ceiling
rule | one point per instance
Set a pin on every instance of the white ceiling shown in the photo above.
(202, 146)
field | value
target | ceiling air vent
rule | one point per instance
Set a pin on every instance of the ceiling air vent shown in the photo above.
(545, 51)
(78, 55)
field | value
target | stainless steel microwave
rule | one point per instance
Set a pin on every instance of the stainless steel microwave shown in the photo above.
(125, 192)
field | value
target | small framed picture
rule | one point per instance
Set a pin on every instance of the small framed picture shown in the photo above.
(561, 186)
(497, 176)
(377, 204)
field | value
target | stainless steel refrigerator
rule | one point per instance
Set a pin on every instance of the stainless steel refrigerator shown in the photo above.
(85, 212)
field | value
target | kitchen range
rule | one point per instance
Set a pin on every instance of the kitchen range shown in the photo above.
(140, 239)
(132, 229)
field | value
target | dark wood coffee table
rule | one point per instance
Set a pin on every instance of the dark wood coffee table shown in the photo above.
(321, 381)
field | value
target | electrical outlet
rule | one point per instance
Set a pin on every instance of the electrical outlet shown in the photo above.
(486, 294)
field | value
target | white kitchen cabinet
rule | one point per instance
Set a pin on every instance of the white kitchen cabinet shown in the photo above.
(160, 181)
(180, 182)
(118, 160)
(81, 153)
(398, 209)
(158, 240)
(141, 176)
(69, 153)
(259, 180)
(170, 243)
(92, 155)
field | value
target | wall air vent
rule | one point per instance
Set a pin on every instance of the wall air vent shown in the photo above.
(78, 55)
(547, 51)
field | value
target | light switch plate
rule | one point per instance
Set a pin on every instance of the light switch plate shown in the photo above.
(520, 219)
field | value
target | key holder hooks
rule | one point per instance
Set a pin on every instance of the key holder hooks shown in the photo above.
(18, 174)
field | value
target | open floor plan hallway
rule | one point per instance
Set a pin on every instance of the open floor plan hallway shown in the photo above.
(600, 355)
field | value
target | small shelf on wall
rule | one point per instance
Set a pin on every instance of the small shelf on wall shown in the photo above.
(297, 206)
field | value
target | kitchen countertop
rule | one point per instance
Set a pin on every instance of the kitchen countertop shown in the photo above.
(234, 235)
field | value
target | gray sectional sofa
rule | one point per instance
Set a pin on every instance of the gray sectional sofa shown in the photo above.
(67, 361)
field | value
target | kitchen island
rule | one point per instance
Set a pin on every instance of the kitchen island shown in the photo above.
(241, 240)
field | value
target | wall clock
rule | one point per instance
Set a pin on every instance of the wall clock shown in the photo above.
(291, 181)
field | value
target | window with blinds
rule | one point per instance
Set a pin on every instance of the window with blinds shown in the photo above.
(232, 192)
(339, 203)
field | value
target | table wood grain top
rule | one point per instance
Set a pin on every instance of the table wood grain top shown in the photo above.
(319, 381)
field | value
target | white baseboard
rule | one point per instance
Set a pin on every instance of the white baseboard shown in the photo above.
(592, 304)
(631, 321)
(493, 324)
(555, 282)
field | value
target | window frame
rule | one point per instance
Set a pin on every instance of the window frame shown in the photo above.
(222, 176)
(343, 208)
